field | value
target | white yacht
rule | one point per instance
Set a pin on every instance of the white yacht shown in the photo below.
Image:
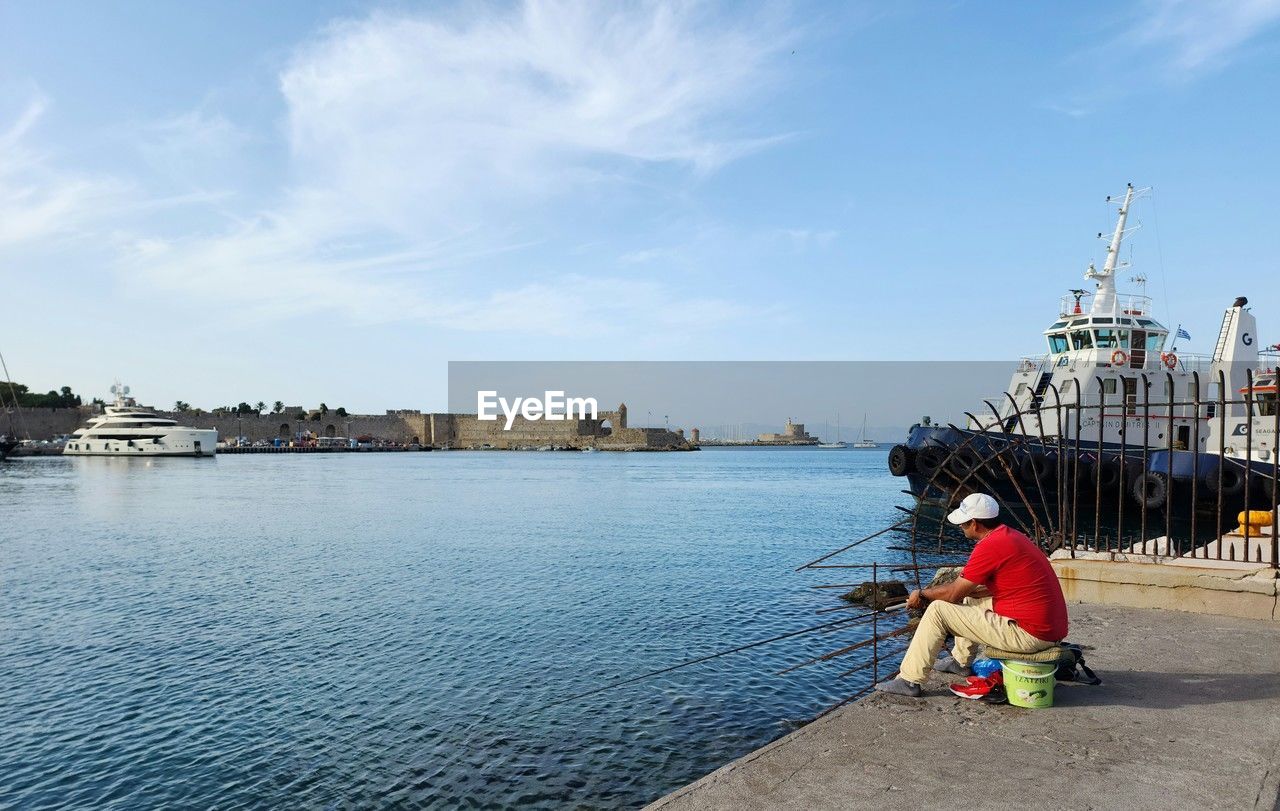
(127, 429)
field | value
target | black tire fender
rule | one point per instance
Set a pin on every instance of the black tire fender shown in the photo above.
(1107, 474)
(901, 459)
(1151, 490)
(1232, 481)
(929, 459)
(965, 461)
(1037, 465)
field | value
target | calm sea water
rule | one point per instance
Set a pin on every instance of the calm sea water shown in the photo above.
(372, 630)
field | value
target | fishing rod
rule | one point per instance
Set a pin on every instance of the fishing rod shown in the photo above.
(633, 679)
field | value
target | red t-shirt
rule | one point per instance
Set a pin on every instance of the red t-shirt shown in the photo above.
(1023, 585)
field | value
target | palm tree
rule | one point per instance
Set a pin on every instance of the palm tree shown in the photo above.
(277, 407)
(259, 407)
(181, 406)
(324, 409)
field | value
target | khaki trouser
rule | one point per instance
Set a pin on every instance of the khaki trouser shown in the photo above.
(972, 624)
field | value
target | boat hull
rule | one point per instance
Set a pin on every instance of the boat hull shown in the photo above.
(945, 463)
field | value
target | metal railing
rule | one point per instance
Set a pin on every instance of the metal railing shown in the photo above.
(1172, 487)
(1147, 495)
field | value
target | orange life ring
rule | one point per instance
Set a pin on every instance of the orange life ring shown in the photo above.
(1170, 360)
(1119, 358)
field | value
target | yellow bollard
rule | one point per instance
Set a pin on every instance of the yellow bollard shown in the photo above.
(1252, 522)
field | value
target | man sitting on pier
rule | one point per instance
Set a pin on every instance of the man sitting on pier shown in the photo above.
(1023, 609)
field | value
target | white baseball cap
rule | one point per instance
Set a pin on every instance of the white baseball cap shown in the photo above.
(978, 505)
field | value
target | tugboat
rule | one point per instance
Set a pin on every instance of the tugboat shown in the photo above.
(1108, 409)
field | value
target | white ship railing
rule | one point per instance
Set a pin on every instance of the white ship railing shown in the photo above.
(1134, 304)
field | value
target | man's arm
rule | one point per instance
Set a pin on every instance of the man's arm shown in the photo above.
(953, 592)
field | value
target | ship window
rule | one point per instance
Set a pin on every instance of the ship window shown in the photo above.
(1066, 386)
(1106, 338)
(1059, 325)
(1104, 320)
(1154, 342)
(1022, 387)
(1266, 405)
(1109, 386)
(1081, 339)
(1057, 343)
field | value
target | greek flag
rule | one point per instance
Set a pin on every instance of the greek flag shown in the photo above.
(1182, 333)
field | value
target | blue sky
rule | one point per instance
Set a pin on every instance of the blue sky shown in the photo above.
(328, 201)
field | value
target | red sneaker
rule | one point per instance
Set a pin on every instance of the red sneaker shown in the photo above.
(977, 687)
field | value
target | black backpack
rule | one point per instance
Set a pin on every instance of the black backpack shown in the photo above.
(1072, 667)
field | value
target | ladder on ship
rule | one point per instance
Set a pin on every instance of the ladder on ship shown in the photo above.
(1037, 398)
(1220, 348)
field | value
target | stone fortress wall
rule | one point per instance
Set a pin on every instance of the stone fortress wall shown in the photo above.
(42, 423)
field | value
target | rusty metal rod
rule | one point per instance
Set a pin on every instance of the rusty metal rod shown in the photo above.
(890, 635)
(901, 523)
(687, 663)
(888, 604)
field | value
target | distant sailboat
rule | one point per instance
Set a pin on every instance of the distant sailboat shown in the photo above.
(863, 442)
(837, 444)
(10, 440)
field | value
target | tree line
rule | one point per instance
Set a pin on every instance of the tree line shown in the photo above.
(12, 393)
(258, 408)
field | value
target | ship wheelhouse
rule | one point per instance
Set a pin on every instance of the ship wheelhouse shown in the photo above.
(1140, 340)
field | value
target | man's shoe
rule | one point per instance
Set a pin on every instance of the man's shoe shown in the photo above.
(946, 664)
(997, 695)
(899, 687)
(978, 687)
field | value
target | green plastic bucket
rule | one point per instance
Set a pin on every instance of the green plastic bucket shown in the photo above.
(1029, 684)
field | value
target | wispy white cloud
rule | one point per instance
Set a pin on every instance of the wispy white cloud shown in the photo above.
(416, 141)
(1071, 110)
(1194, 35)
(644, 256)
(804, 238)
(590, 306)
(37, 200)
(1161, 42)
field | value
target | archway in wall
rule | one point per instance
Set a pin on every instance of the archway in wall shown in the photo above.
(331, 431)
(606, 427)
(414, 441)
(285, 432)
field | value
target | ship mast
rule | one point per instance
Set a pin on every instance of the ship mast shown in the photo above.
(1104, 300)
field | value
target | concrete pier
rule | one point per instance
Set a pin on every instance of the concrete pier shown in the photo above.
(1187, 716)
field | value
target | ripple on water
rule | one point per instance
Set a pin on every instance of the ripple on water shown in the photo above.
(266, 631)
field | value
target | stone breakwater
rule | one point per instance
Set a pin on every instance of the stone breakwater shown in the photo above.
(609, 431)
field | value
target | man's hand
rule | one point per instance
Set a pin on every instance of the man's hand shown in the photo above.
(953, 592)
